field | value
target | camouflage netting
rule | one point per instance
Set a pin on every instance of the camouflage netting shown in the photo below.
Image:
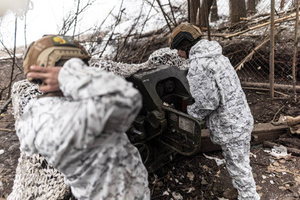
(163, 56)
(35, 178)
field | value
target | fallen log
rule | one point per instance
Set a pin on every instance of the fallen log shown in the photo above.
(293, 151)
(260, 133)
(267, 85)
(290, 142)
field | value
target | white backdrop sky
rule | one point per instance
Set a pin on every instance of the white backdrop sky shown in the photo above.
(46, 17)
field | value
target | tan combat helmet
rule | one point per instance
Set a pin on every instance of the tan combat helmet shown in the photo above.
(53, 50)
(184, 35)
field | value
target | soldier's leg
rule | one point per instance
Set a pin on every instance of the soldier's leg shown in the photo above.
(238, 165)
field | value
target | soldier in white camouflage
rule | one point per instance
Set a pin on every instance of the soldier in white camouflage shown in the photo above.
(220, 100)
(79, 124)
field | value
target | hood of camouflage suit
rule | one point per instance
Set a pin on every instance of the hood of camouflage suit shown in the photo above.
(205, 49)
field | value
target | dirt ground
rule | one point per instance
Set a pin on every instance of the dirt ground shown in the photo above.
(198, 177)
(195, 177)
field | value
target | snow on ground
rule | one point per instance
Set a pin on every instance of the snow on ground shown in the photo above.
(4, 57)
(264, 6)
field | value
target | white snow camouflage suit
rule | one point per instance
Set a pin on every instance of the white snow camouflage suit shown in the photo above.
(220, 99)
(82, 134)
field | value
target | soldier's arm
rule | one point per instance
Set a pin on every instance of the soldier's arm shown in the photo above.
(48, 76)
(204, 89)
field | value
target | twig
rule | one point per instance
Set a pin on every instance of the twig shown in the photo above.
(8, 130)
(4, 107)
(233, 53)
(139, 36)
(164, 14)
(295, 49)
(113, 31)
(10, 54)
(249, 56)
(267, 16)
(14, 59)
(172, 12)
(152, 5)
(76, 17)
(95, 35)
(259, 26)
(264, 89)
(273, 120)
(124, 50)
(189, 11)
(68, 22)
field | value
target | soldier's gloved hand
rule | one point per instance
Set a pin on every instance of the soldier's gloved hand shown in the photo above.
(48, 76)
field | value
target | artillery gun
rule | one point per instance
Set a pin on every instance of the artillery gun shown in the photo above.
(163, 128)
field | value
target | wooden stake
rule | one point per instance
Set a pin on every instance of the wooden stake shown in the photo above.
(271, 78)
(295, 49)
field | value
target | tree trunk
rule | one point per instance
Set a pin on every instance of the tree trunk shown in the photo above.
(214, 12)
(251, 7)
(195, 4)
(237, 10)
(282, 4)
(205, 8)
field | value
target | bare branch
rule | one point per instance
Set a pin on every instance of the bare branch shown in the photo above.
(174, 19)
(14, 59)
(113, 31)
(164, 14)
(76, 16)
(71, 18)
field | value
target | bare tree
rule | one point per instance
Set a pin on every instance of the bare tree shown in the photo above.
(194, 7)
(237, 10)
(172, 12)
(199, 11)
(282, 2)
(76, 15)
(14, 59)
(118, 19)
(166, 16)
(205, 7)
(251, 7)
(71, 20)
(13, 75)
(214, 12)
